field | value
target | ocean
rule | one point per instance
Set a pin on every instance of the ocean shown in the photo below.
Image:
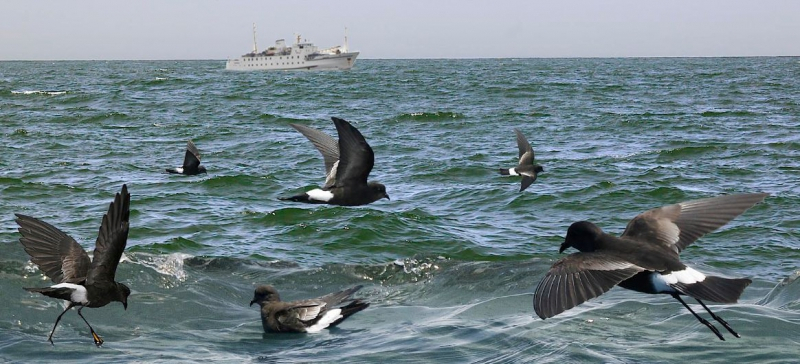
(451, 262)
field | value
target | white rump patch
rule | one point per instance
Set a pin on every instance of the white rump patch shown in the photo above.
(325, 321)
(320, 195)
(179, 169)
(662, 282)
(512, 172)
(78, 292)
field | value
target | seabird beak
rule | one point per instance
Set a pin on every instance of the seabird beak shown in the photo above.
(252, 302)
(387, 196)
(563, 247)
(125, 305)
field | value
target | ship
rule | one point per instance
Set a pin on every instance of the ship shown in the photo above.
(300, 56)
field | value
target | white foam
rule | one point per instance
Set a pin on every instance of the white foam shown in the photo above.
(170, 264)
(39, 92)
(325, 320)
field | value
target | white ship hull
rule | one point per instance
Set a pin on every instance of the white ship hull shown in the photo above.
(342, 61)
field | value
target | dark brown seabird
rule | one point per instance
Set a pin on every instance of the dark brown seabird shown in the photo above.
(348, 163)
(645, 258)
(527, 167)
(80, 281)
(307, 316)
(191, 162)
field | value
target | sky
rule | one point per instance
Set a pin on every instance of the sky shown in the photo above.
(222, 29)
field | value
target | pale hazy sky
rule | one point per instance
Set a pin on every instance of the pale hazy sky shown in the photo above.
(208, 29)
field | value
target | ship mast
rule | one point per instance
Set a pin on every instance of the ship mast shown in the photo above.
(345, 40)
(255, 45)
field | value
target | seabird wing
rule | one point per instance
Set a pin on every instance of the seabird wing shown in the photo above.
(192, 159)
(58, 255)
(335, 298)
(327, 146)
(524, 147)
(111, 239)
(577, 278)
(679, 225)
(306, 310)
(526, 181)
(355, 155)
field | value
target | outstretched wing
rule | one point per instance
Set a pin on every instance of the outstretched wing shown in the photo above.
(327, 146)
(679, 225)
(577, 278)
(192, 159)
(59, 256)
(524, 148)
(355, 155)
(111, 239)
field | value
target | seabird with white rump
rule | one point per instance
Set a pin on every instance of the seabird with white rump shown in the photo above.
(645, 259)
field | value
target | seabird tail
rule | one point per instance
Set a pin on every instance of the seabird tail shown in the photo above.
(715, 289)
(173, 170)
(350, 309)
(63, 293)
(504, 171)
(305, 198)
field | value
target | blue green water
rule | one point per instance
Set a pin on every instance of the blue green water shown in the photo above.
(451, 262)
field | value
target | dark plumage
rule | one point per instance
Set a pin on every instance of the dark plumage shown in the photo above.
(310, 315)
(644, 258)
(348, 163)
(527, 168)
(191, 162)
(79, 280)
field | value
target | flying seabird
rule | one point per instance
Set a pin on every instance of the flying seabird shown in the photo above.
(347, 166)
(645, 258)
(80, 281)
(191, 162)
(308, 316)
(527, 168)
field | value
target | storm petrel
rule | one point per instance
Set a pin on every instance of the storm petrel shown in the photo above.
(191, 162)
(527, 168)
(348, 163)
(80, 281)
(310, 315)
(645, 258)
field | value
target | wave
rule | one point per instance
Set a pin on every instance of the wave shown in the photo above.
(689, 151)
(723, 113)
(41, 92)
(430, 116)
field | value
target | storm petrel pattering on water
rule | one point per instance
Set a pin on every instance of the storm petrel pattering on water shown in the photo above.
(527, 168)
(645, 258)
(79, 281)
(191, 162)
(348, 163)
(309, 316)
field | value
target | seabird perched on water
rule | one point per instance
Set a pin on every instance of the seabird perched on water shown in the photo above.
(348, 163)
(645, 258)
(80, 281)
(308, 316)
(527, 168)
(191, 162)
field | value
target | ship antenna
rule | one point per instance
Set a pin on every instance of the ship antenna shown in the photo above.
(255, 45)
(345, 40)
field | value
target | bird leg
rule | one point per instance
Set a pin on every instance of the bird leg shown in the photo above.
(702, 320)
(719, 319)
(50, 338)
(97, 339)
